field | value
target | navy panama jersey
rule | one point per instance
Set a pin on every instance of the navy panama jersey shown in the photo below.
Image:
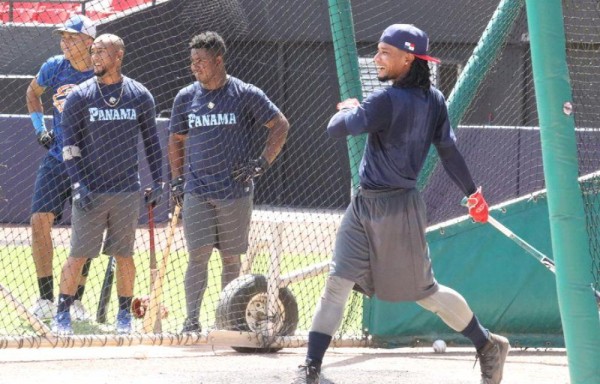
(218, 124)
(395, 150)
(108, 136)
(58, 74)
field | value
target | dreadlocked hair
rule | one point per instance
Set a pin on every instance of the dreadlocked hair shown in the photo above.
(417, 77)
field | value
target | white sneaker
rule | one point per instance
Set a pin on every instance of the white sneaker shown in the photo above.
(43, 309)
(79, 312)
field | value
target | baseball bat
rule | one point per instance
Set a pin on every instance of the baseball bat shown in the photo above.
(546, 262)
(106, 290)
(539, 256)
(153, 270)
(154, 302)
(38, 325)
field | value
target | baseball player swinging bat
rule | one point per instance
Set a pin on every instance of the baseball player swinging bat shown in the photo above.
(153, 313)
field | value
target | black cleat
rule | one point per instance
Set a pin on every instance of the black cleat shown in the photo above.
(491, 359)
(308, 373)
(191, 326)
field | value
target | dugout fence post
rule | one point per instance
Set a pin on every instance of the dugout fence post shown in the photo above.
(483, 57)
(570, 244)
(348, 72)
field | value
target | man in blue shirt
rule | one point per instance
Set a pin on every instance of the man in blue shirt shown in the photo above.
(52, 188)
(102, 120)
(211, 129)
(380, 246)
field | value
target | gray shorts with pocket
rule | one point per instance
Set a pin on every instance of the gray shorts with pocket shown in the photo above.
(381, 247)
(117, 213)
(223, 224)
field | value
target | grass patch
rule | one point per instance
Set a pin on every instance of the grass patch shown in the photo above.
(17, 273)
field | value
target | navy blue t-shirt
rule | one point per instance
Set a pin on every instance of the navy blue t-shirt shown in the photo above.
(58, 74)
(402, 124)
(218, 124)
(107, 136)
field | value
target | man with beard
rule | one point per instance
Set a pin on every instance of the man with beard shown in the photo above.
(103, 118)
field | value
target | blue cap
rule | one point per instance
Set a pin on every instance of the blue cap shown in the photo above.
(408, 38)
(79, 24)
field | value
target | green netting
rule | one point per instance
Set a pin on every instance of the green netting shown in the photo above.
(287, 49)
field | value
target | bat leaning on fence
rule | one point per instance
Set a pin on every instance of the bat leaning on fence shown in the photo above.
(106, 291)
(154, 308)
(38, 325)
(140, 304)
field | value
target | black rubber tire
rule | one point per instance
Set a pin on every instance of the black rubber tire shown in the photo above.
(243, 301)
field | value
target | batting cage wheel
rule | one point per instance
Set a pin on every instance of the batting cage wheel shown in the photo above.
(243, 307)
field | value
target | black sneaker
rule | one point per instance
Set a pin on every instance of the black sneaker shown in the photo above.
(308, 373)
(191, 326)
(491, 359)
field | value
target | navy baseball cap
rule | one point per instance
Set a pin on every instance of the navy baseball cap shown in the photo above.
(408, 38)
(79, 24)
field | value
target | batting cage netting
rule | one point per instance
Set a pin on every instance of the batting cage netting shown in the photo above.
(290, 50)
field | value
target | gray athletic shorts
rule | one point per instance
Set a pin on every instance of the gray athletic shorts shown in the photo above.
(380, 246)
(224, 224)
(117, 213)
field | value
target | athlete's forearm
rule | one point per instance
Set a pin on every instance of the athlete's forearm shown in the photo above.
(73, 166)
(176, 150)
(35, 106)
(456, 167)
(153, 152)
(154, 157)
(71, 153)
(33, 97)
(278, 131)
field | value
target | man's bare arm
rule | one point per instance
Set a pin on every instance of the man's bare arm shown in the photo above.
(278, 131)
(34, 97)
(176, 149)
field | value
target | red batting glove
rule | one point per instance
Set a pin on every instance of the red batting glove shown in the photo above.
(478, 208)
(139, 306)
(348, 104)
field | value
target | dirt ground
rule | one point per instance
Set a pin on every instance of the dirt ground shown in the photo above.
(203, 364)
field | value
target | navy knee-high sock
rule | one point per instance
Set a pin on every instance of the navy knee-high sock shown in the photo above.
(64, 302)
(476, 333)
(317, 346)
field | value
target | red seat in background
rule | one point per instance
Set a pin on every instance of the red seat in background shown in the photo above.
(53, 15)
(26, 5)
(24, 15)
(66, 6)
(123, 5)
(97, 15)
(22, 12)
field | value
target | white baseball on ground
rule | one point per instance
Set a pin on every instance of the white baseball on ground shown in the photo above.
(439, 346)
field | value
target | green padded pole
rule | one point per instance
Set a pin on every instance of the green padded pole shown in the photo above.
(570, 247)
(346, 60)
(483, 57)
